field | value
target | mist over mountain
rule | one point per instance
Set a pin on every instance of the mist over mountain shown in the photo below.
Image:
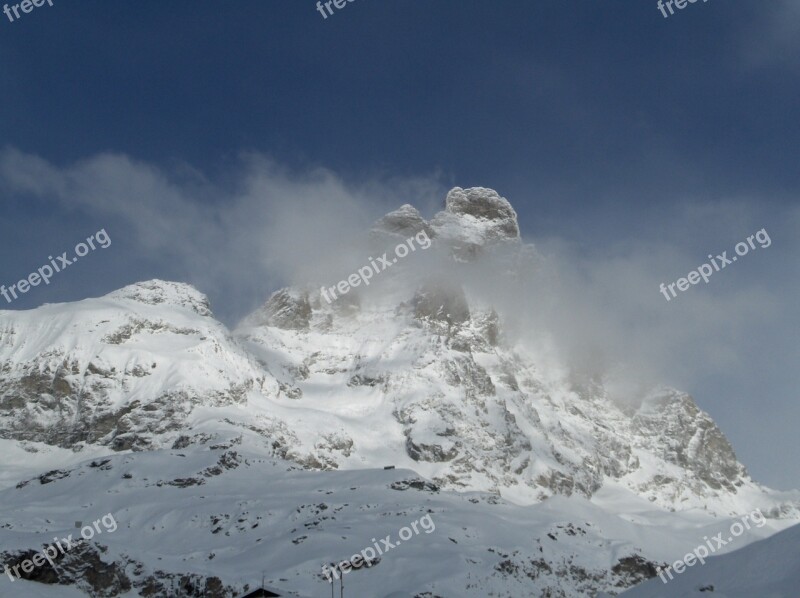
(448, 366)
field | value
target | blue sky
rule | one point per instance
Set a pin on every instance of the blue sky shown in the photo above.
(631, 146)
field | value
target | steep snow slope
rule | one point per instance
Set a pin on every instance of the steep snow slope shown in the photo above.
(767, 569)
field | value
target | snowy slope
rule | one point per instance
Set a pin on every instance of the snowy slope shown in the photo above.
(122, 370)
(229, 513)
(767, 569)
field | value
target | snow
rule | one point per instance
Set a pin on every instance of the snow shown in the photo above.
(767, 569)
(259, 514)
(140, 403)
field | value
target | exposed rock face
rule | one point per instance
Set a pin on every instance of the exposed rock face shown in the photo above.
(484, 208)
(690, 439)
(473, 219)
(287, 309)
(403, 223)
(161, 292)
(85, 567)
(442, 304)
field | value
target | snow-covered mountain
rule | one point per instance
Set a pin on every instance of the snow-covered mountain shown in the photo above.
(420, 370)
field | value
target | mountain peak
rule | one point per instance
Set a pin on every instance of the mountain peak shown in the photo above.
(404, 222)
(161, 292)
(484, 205)
(474, 218)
